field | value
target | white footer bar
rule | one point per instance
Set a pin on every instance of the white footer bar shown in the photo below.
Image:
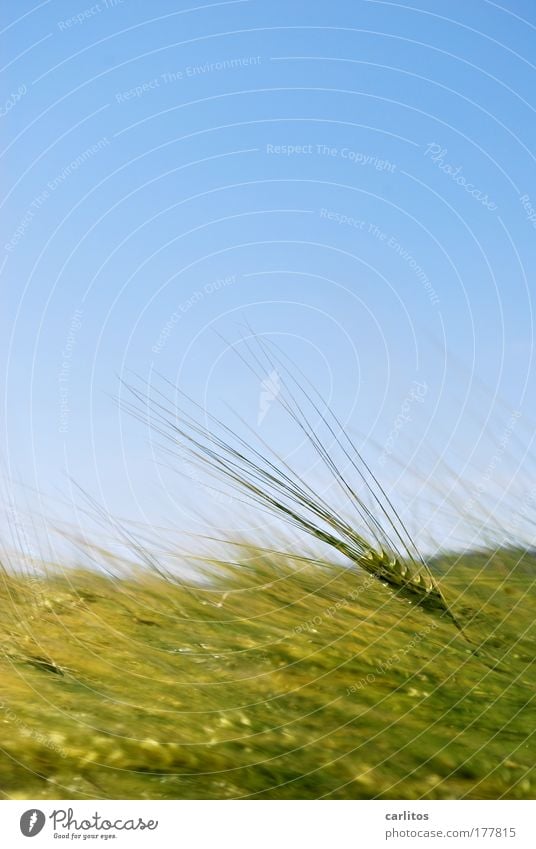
(198, 824)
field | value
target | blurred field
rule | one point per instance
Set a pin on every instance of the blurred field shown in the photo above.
(271, 678)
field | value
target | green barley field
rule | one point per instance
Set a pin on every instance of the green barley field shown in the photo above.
(273, 673)
(271, 676)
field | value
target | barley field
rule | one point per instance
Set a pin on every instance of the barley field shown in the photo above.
(271, 676)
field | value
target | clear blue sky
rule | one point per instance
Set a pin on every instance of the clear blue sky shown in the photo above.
(355, 179)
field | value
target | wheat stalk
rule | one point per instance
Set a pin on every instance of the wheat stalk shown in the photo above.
(392, 558)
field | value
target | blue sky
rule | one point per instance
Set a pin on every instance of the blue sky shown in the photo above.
(354, 180)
